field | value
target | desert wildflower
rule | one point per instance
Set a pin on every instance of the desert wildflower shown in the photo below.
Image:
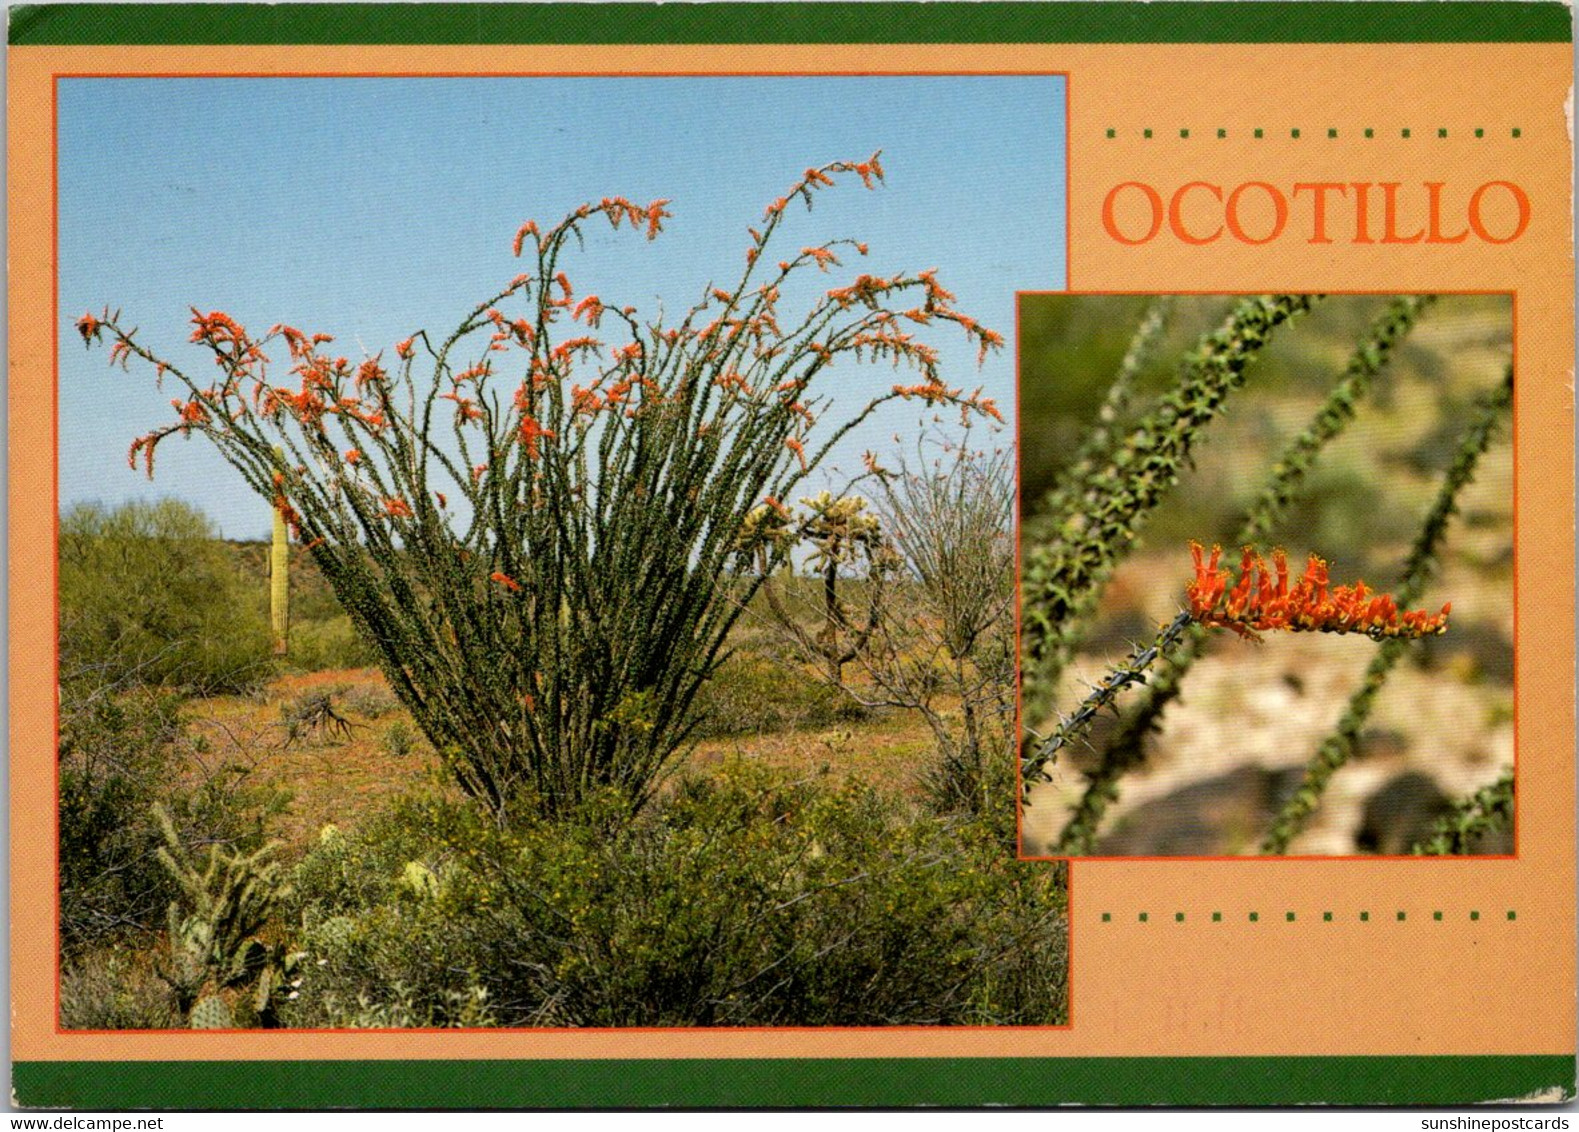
(1261, 598)
(505, 580)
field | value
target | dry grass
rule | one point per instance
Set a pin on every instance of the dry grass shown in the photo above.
(341, 781)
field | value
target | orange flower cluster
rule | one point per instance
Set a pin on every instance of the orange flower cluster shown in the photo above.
(505, 580)
(821, 256)
(531, 432)
(1262, 599)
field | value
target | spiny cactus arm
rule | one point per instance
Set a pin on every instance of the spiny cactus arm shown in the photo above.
(1487, 810)
(1126, 748)
(1062, 576)
(1131, 670)
(1336, 750)
(1333, 417)
(1096, 451)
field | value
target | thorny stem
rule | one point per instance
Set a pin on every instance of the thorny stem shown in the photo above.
(1486, 811)
(1127, 747)
(1131, 670)
(1062, 577)
(1096, 451)
(1338, 748)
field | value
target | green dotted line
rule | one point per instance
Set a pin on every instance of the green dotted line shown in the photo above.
(1291, 917)
(1370, 132)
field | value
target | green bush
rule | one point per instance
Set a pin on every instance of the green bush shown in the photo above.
(148, 595)
(751, 695)
(743, 899)
(114, 990)
(114, 764)
(119, 754)
(316, 646)
(400, 739)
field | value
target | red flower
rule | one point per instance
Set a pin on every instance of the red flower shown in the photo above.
(527, 229)
(655, 217)
(531, 433)
(397, 508)
(1262, 599)
(506, 581)
(591, 307)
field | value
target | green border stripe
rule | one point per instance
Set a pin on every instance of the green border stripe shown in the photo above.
(781, 1082)
(947, 21)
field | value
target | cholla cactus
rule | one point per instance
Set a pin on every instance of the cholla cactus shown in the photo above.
(844, 537)
(212, 947)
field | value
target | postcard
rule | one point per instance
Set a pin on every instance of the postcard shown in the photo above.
(789, 554)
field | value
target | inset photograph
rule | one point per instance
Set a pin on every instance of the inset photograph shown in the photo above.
(1266, 575)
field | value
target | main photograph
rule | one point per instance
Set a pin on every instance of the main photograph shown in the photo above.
(539, 552)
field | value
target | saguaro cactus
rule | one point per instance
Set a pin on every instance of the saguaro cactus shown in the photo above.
(279, 581)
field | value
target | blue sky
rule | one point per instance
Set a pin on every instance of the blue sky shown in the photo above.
(369, 208)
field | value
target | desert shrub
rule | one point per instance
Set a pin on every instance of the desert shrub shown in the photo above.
(908, 604)
(316, 646)
(115, 762)
(371, 701)
(149, 596)
(948, 652)
(400, 739)
(739, 899)
(114, 989)
(119, 755)
(749, 694)
(314, 716)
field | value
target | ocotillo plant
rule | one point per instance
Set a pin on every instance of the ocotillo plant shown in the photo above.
(1260, 600)
(1265, 597)
(1336, 750)
(537, 526)
(1484, 812)
(280, 584)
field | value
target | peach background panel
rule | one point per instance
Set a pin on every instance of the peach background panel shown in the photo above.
(1158, 988)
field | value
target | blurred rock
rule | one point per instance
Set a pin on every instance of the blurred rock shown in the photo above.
(1400, 814)
(1476, 650)
(1224, 815)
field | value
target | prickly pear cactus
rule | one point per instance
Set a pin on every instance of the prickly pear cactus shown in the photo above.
(249, 958)
(211, 1013)
(420, 880)
(268, 983)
